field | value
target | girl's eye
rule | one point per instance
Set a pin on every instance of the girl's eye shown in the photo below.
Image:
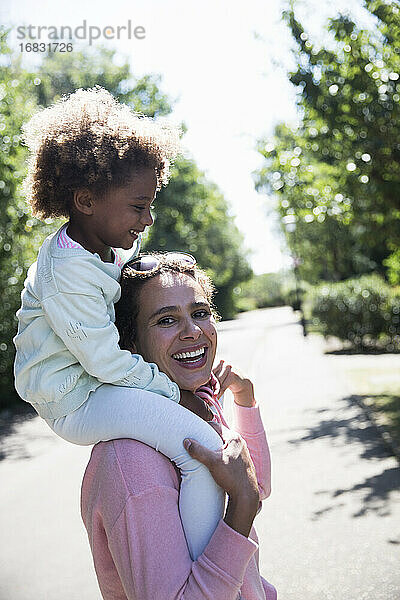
(139, 207)
(165, 321)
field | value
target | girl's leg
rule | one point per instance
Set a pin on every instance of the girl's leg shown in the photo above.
(113, 412)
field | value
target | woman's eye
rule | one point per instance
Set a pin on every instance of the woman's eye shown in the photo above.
(139, 207)
(166, 321)
(201, 314)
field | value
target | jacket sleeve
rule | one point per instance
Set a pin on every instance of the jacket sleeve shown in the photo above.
(248, 423)
(151, 556)
(92, 339)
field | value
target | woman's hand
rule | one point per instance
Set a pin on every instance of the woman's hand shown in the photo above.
(240, 386)
(233, 470)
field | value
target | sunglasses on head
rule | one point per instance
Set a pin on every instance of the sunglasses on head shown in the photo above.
(147, 262)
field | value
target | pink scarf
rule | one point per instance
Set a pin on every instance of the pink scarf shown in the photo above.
(209, 393)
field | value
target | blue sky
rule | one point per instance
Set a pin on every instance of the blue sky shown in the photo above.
(225, 62)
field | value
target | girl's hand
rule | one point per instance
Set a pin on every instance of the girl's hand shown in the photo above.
(240, 386)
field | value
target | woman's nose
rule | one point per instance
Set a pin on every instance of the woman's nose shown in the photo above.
(190, 330)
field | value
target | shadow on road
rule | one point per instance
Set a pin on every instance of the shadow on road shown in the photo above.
(358, 431)
(376, 491)
(12, 444)
(350, 429)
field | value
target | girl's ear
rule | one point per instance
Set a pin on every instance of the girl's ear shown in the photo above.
(83, 201)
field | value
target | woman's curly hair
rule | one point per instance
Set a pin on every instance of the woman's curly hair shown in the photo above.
(132, 282)
(90, 140)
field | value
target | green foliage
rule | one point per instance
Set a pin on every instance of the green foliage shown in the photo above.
(337, 176)
(192, 216)
(262, 291)
(393, 264)
(364, 311)
(17, 240)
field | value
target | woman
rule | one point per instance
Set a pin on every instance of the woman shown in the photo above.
(130, 491)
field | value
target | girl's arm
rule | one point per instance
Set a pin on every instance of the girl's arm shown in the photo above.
(84, 325)
(248, 422)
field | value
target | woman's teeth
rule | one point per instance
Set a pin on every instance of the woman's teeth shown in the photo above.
(190, 356)
(133, 232)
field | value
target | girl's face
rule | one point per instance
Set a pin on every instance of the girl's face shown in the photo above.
(174, 320)
(124, 211)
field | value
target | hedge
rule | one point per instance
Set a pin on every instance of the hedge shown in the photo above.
(364, 312)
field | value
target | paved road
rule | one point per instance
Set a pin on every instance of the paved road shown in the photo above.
(331, 529)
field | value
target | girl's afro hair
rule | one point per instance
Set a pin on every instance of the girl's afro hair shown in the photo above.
(90, 140)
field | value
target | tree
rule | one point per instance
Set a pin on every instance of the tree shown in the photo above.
(337, 175)
(193, 216)
(17, 236)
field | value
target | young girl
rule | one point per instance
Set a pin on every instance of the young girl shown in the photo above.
(98, 164)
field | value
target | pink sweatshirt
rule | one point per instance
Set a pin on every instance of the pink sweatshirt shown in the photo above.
(130, 509)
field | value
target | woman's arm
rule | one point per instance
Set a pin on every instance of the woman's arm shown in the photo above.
(249, 425)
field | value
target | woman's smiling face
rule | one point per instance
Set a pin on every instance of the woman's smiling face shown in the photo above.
(175, 319)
